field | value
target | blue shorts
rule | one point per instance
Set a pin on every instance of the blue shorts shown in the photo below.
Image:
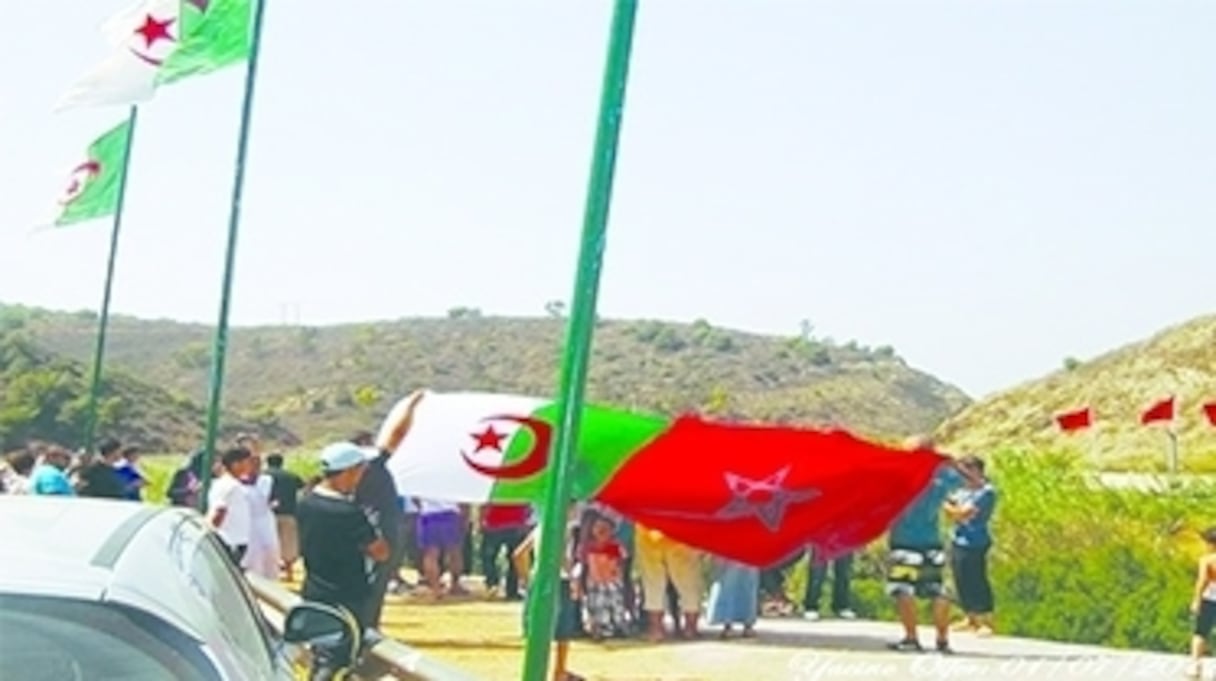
(444, 530)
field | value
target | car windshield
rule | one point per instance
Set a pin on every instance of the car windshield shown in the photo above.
(47, 638)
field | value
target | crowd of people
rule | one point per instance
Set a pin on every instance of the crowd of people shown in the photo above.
(355, 531)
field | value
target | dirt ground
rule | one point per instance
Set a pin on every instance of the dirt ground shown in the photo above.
(483, 638)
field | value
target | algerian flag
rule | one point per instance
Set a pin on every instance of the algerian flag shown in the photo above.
(144, 39)
(140, 39)
(752, 493)
(478, 447)
(95, 183)
(218, 34)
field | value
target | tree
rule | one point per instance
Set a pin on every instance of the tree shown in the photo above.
(257, 346)
(669, 340)
(464, 313)
(556, 309)
(196, 355)
(806, 330)
(1071, 364)
(718, 402)
(308, 338)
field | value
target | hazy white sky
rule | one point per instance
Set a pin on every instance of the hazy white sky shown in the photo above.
(987, 185)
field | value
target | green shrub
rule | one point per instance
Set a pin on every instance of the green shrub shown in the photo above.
(1073, 562)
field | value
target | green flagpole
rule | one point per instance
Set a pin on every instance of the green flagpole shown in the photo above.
(103, 323)
(220, 349)
(543, 602)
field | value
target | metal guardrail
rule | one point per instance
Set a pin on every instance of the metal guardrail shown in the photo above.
(387, 659)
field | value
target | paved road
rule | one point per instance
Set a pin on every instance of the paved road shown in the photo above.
(483, 639)
(1150, 482)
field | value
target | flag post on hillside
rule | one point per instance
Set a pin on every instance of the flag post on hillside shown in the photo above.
(1077, 420)
(543, 599)
(1162, 411)
(103, 322)
(97, 189)
(220, 348)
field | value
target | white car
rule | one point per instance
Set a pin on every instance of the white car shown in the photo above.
(99, 590)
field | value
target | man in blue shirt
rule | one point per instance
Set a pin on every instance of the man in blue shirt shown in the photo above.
(132, 480)
(917, 558)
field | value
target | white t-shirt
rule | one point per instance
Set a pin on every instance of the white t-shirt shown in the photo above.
(229, 493)
(431, 506)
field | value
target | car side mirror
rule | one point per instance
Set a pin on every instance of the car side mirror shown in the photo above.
(313, 624)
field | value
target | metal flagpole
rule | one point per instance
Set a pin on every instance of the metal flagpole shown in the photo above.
(543, 601)
(103, 323)
(1171, 432)
(220, 348)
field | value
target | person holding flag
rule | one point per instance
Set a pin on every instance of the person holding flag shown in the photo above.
(917, 558)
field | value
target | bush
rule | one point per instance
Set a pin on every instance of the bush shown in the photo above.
(1077, 563)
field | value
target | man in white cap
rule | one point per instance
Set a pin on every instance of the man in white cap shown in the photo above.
(338, 543)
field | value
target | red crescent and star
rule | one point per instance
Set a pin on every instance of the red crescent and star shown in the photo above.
(532, 462)
(90, 169)
(152, 31)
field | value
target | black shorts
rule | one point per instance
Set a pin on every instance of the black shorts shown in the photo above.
(1205, 619)
(916, 571)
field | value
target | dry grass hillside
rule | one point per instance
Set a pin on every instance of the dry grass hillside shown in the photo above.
(320, 381)
(45, 397)
(1119, 386)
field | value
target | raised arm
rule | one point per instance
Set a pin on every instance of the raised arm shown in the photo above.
(522, 556)
(397, 423)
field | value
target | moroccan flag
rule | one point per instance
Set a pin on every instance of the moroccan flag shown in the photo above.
(1078, 419)
(1209, 410)
(93, 187)
(144, 44)
(1163, 410)
(752, 493)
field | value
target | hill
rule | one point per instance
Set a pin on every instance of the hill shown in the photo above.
(322, 381)
(44, 397)
(1118, 385)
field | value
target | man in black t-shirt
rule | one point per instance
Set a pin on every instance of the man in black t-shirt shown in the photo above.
(377, 493)
(338, 543)
(98, 478)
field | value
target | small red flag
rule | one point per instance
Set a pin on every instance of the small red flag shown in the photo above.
(1210, 410)
(1078, 419)
(1163, 410)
